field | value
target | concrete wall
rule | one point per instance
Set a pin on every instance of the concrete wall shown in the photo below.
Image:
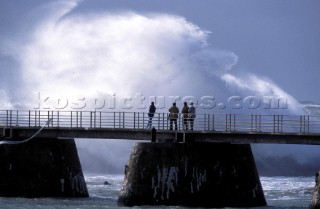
(192, 174)
(41, 168)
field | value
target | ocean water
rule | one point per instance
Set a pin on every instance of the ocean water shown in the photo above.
(280, 192)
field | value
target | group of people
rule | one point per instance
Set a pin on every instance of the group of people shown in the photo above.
(188, 115)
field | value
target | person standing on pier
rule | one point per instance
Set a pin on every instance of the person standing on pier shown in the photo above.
(173, 116)
(185, 112)
(192, 115)
(152, 110)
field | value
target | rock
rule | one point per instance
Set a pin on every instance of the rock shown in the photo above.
(106, 183)
(315, 200)
(192, 174)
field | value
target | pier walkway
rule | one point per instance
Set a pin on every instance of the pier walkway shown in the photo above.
(234, 128)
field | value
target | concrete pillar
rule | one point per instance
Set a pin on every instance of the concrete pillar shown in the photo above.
(41, 168)
(192, 174)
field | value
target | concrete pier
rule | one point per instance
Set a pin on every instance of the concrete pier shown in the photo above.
(315, 200)
(41, 168)
(191, 174)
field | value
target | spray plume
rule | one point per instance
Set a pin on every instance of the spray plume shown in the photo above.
(74, 56)
(88, 55)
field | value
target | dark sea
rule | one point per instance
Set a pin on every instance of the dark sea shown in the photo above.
(280, 192)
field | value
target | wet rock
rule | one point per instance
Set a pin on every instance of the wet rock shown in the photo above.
(315, 200)
(106, 183)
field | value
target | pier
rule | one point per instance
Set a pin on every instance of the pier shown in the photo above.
(232, 128)
(209, 166)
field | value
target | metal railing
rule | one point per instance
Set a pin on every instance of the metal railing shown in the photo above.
(300, 124)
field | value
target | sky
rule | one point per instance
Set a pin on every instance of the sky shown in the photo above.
(220, 48)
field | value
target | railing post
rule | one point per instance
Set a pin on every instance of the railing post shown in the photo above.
(300, 123)
(52, 117)
(213, 121)
(39, 118)
(71, 119)
(77, 120)
(29, 116)
(119, 122)
(204, 122)
(208, 123)
(81, 119)
(8, 121)
(58, 119)
(10, 117)
(35, 118)
(167, 121)
(281, 124)
(230, 122)
(7, 118)
(234, 122)
(48, 118)
(308, 123)
(259, 123)
(256, 119)
(277, 124)
(143, 120)
(163, 120)
(251, 116)
(90, 119)
(226, 125)
(254, 123)
(17, 118)
(123, 120)
(274, 123)
(134, 120)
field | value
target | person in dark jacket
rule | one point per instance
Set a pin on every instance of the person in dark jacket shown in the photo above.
(173, 116)
(192, 115)
(152, 110)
